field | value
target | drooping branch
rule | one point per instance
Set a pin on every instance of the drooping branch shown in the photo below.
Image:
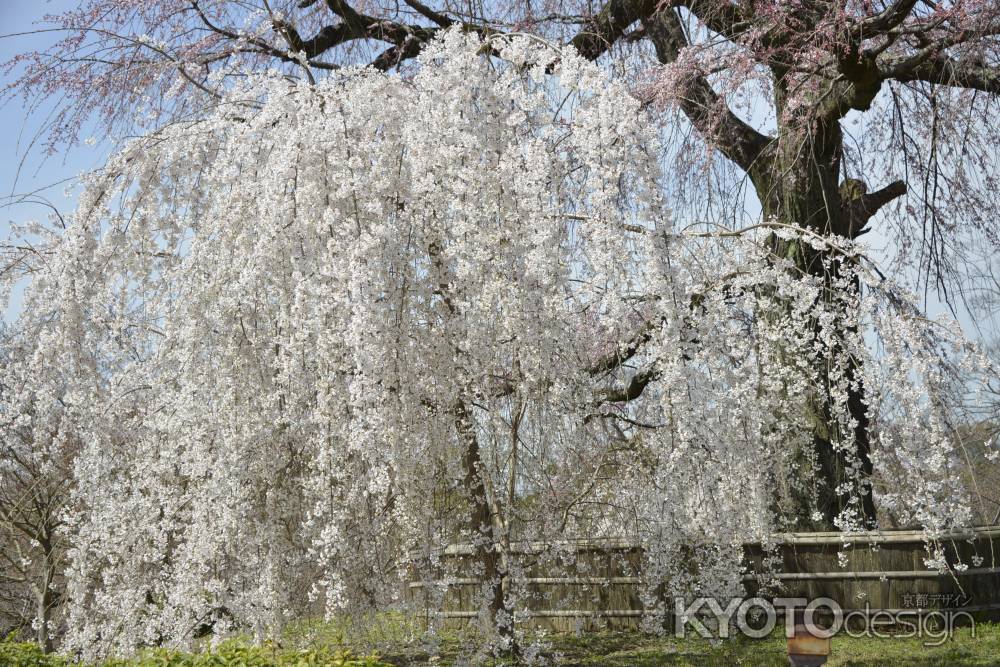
(288, 31)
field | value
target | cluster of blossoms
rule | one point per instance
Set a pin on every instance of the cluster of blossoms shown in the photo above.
(314, 338)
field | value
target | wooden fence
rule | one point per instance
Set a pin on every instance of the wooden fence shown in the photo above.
(601, 583)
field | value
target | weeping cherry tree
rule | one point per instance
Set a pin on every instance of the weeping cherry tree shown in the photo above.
(315, 336)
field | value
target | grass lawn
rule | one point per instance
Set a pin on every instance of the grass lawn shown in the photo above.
(639, 651)
(636, 650)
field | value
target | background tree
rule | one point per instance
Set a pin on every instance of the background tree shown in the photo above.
(38, 445)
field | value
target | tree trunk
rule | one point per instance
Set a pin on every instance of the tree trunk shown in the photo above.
(796, 175)
(44, 597)
(804, 190)
(483, 520)
(42, 621)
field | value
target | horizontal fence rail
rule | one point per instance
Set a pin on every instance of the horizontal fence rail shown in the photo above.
(875, 572)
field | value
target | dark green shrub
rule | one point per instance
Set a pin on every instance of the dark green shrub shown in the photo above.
(14, 653)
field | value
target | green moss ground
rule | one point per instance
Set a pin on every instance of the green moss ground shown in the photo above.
(320, 645)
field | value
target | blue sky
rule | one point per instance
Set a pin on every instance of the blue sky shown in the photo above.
(24, 167)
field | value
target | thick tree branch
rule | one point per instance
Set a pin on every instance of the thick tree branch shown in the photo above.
(605, 28)
(324, 40)
(359, 22)
(610, 24)
(861, 205)
(932, 66)
(707, 112)
(721, 17)
(632, 390)
(406, 39)
(427, 12)
(408, 47)
(620, 355)
(886, 20)
(869, 204)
